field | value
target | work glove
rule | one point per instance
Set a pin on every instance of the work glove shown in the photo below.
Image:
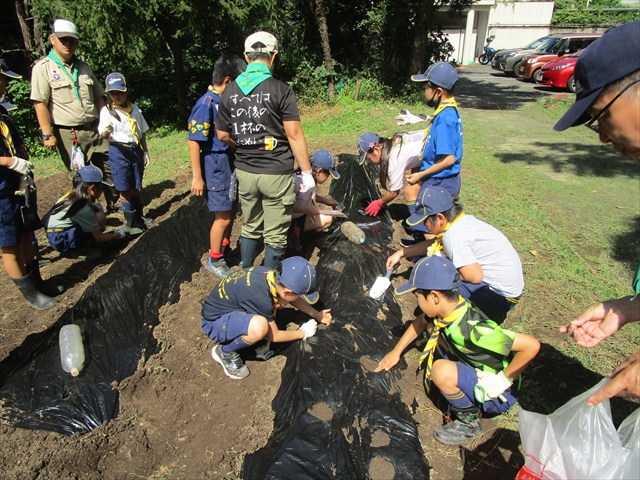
(147, 159)
(21, 166)
(406, 117)
(309, 328)
(374, 208)
(307, 181)
(121, 232)
(490, 386)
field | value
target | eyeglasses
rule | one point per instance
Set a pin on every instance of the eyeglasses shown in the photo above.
(596, 127)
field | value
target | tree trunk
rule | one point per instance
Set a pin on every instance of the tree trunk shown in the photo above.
(22, 14)
(174, 46)
(420, 37)
(321, 18)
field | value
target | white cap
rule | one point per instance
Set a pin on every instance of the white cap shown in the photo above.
(64, 28)
(261, 42)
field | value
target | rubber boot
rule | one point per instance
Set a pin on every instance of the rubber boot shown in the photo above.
(135, 224)
(273, 256)
(468, 425)
(32, 295)
(50, 289)
(248, 249)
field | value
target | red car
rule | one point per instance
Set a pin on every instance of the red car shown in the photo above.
(559, 73)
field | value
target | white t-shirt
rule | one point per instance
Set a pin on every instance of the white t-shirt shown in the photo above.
(303, 199)
(470, 240)
(121, 129)
(404, 155)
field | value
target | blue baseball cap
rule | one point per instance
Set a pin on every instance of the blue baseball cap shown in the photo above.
(299, 276)
(6, 72)
(92, 174)
(325, 160)
(6, 105)
(365, 143)
(115, 82)
(431, 200)
(610, 58)
(431, 273)
(442, 74)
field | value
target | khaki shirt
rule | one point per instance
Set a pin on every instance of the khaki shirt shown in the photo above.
(54, 88)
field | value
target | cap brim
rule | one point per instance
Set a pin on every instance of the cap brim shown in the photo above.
(405, 288)
(67, 35)
(116, 90)
(311, 297)
(417, 219)
(108, 184)
(362, 157)
(10, 74)
(577, 113)
(418, 78)
(8, 106)
(334, 174)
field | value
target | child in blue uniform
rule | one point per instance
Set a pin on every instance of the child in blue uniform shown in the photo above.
(479, 360)
(77, 217)
(16, 231)
(212, 163)
(122, 123)
(241, 310)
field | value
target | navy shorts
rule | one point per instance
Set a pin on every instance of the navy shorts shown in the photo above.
(228, 327)
(468, 378)
(492, 304)
(450, 184)
(127, 167)
(217, 179)
(11, 225)
(72, 238)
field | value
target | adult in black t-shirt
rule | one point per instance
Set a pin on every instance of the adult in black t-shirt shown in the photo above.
(258, 116)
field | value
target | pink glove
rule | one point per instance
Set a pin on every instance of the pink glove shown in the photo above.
(374, 208)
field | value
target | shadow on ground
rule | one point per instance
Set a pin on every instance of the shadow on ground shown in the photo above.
(626, 247)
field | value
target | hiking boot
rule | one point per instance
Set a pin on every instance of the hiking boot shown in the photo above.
(218, 267)
(232, 364)
(468, 425)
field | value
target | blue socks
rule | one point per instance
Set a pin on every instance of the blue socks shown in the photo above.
(237, 344)
(458, 399)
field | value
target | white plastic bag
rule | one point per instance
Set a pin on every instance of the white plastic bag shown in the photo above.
(578, 441)
(77, 158)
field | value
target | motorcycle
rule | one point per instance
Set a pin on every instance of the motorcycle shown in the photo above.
(489, 52)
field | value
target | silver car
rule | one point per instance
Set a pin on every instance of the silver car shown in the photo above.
(509, 61)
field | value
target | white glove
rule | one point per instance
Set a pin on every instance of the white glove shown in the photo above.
(309, 328)
(21, 165)
(307, 181)
(490, 386)
(147, 158)
(121, 232)
(406, 117)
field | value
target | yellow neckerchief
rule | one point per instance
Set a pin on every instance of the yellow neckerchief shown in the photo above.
(271, 281)
(451, 102)
(126, 110)
(436, 246)
(66, 195)
(439, 324)
(5, 131)
(213, 90)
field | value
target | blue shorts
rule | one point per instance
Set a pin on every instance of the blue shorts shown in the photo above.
(228, 327)
(72, 238)
(217, 168)
(450, 184)
(492, 304)
(11, 225)
(467, 379)
(127, 167)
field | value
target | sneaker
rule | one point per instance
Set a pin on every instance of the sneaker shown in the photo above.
(218, 267)
(232, 364)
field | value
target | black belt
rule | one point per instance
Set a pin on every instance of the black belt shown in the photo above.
(86, 126)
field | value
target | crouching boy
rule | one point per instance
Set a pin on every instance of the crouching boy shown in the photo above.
(480, 361)
(241, 310)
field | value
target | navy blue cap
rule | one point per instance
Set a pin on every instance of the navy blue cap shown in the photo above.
(442, 74)
(115, 82)
(92, 174)
(6, 105)
(325, 160)
(430, 201)
(299, 276)
(365, 143)
(610, 58)
(6, 72)
(431, 273)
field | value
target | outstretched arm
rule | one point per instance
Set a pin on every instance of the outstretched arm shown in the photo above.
(392, 358)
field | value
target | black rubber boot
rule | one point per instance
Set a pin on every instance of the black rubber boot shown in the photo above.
(248, 249)
(50, 289)
(468, 425)
(135, 224)
(32, 295)
(273, 256)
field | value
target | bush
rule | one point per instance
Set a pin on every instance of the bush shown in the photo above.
(24, 117)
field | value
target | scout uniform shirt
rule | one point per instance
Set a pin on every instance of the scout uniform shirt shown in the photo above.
(68, 106)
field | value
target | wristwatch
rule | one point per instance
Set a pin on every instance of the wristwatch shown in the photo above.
(47, 136)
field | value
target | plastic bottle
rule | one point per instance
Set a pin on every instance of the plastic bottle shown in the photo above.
(353, 232)
(71, 349)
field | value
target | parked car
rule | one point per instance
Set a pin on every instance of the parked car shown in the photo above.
(531, 67)
(508, 61)
(559, 73)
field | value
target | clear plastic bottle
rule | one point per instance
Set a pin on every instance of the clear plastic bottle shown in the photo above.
(353, 232)
(71, 349)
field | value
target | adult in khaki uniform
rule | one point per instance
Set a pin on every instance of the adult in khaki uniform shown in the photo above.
(68, 98)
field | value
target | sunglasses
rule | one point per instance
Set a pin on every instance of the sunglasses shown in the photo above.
(596, 128)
